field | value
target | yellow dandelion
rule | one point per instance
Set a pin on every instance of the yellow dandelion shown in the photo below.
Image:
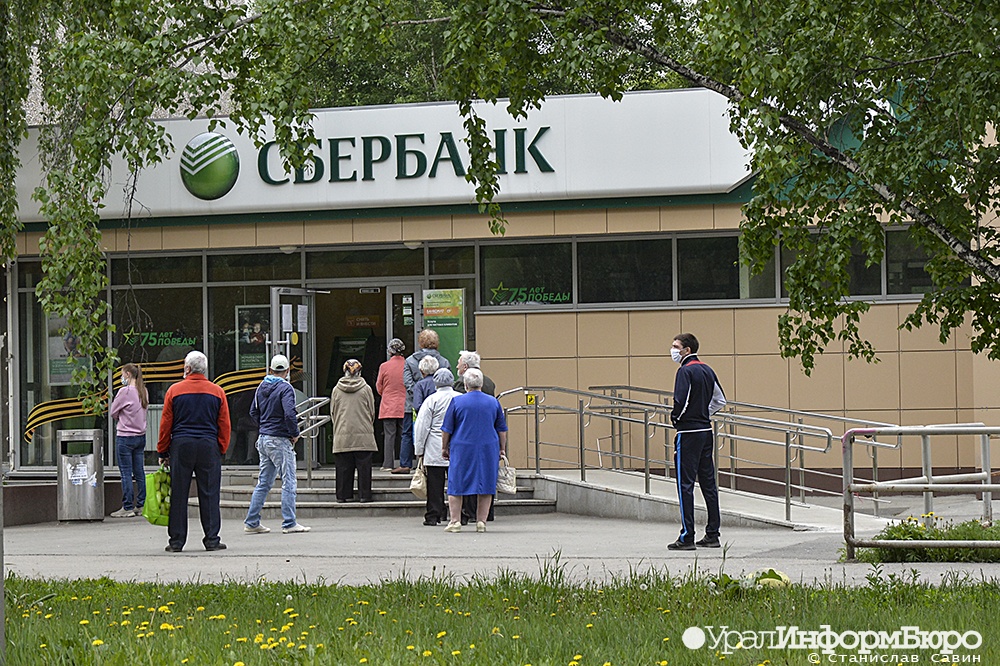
(577, 657)
(516, 636)
(457, 595)
(441, 634)
(239, 663)
(48, 615)
(427, 653)
(590, 626)
(455, 653)
(84, 621)
(43, 646)
(97, 641)
(409, 647)
(363, 660)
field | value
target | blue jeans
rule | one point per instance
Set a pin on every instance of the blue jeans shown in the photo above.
(406, 441)
(130, 450)
(276, 455)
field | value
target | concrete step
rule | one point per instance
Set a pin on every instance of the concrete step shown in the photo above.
(328, 494)
(320, 479)
(412, 507)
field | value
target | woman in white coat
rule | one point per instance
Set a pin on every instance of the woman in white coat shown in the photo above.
(427, 443)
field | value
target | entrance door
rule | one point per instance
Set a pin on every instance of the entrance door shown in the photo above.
(293, 325)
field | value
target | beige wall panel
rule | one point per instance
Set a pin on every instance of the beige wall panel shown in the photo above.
(762, 380)
(280, 233)
(880, 327)
(714, 329)
(140, 239)
(558, 429)
(944, 448)
(631, 220)
(501, 336)
(650, 332)
(21, 243)
(756, 330)
(924, 338)
(519, 453)
(553, 372)
(962, 336)
(602, 372)
(823, 390)
(506, 374)
(568, 223)
(927, 380)
(551, 335)
(725, 370)
(378, 230)
(193, 237)
(109, 241)
(30, 241)
(686, 218)
(986, 387)
(872, 386)
(602, 333)
(230, 235)
(529, 224)
(964, 381)
(470, 226)
(728, 216)
(427, 228)
(969, 447)
(654, 372)
(328, 232)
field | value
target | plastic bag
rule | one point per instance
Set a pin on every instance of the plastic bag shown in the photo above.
(157, 507)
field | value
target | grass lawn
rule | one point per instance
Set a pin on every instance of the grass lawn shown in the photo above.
(506, 619)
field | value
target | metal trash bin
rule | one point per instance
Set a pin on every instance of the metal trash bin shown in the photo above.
(80, 485)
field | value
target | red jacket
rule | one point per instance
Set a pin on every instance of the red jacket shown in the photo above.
(194, 408)
(390, 386)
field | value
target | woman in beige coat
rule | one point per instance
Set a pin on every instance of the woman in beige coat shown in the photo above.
(352, 408)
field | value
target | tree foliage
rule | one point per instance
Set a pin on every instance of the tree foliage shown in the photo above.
(861, 114)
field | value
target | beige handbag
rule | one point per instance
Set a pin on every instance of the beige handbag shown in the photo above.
(506, 478)
(418, 482)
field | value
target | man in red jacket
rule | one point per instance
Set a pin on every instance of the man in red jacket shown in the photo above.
(194, 435)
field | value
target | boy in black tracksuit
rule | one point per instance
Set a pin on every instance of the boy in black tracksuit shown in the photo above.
(697, 395)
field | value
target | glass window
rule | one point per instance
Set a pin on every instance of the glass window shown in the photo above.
(238, 325)
(29, 273)
(156, 270)
(864, 280)
(536, 274)
(251, 267)
(452, 260)
(469, 285)
(625, 271)
(155, 327)
(760, 285)
(905, 265)
(364, 263)
(708, 268)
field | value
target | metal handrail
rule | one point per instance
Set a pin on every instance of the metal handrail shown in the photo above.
(620, 411)
(927, 484)
(310, 420)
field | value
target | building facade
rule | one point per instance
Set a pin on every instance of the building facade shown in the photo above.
(623, 226)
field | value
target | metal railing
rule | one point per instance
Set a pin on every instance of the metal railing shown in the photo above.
(928, 484)
(311, 417)
(623, 414)
(797, 478)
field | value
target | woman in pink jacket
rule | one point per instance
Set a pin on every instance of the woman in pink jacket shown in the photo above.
(129, 409)
(390, 386)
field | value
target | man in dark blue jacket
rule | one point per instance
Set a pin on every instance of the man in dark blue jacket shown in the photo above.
(697, 395)
(273, 409)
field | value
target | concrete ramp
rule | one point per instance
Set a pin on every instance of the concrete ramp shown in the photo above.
(615, 494)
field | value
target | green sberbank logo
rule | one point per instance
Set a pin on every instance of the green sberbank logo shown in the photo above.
(209, 166)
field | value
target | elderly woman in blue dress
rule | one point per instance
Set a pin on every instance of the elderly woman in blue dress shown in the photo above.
(473, 438)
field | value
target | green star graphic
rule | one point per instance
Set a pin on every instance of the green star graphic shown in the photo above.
(499, 291)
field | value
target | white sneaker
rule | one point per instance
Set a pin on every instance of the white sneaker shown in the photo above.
(123, 513)
(480, 526)
(453, 527)
(295, 528)
(260, 529)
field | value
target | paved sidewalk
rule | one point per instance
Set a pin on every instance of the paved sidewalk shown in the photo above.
(359, 550)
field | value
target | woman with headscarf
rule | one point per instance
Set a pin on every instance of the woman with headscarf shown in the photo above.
(352, 408)
(389, 385)
(427, 442)
(473, 439)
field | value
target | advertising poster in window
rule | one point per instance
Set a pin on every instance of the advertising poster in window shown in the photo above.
(444, 312)
(62, 345)
(252, 324)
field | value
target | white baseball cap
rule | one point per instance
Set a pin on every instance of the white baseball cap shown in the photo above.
(279, 363)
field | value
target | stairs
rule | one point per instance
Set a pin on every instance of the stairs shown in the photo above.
(390, 494)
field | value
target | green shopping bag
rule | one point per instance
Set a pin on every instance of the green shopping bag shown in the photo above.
(157, 507)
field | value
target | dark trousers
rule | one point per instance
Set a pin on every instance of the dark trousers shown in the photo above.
(391, 430)
(470, 507)
(693, 459)
(345, 464)
(406, 441)
(202, 458)
(436, 510)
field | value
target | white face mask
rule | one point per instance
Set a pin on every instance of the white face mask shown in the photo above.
(676, 354)
(124, 380)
